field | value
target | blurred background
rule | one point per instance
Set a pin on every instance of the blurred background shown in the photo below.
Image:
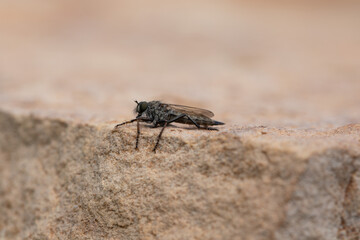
(251, 62)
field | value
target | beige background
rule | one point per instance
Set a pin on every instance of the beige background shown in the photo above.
(264, 63)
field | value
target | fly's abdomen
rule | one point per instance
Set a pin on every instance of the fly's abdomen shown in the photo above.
(207, 122)
(199, 121)
(185, 116)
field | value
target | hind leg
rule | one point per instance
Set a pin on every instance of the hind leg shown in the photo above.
(200, 127)
(209, 128)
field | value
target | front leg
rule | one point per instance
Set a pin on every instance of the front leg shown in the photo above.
(138, 120)
(137, 134)
(142, 119)
(126, 122)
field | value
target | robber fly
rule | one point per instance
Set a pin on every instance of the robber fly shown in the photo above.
(163, 114)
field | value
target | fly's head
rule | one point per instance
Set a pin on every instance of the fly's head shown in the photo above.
(141, 107)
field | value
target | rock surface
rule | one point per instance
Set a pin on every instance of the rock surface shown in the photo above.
(284, 78)
(62, 180)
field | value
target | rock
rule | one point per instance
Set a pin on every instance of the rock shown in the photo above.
(69, 180)
(283, 77)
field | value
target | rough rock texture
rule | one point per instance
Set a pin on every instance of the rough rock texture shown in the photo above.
(285, 79)
(61, 180)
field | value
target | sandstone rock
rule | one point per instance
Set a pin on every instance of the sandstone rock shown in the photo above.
(69, 180)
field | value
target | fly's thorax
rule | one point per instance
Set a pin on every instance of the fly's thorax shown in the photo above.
(149, 114)
(156, 111)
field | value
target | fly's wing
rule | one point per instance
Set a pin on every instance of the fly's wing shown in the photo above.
(192, 111)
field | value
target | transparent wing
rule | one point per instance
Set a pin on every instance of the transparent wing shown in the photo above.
(192, 110)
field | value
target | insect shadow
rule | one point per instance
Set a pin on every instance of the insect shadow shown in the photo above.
(163, 114)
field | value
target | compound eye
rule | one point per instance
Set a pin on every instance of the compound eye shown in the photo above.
(143, 106)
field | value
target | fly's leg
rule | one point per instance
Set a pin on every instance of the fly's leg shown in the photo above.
(127, 122)
(210, 128)
(158, 139)
(133, 120)
(163, 128)
(193, 121)
(198, 126)
(137, 133)
(137, 125)
(177, 118)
